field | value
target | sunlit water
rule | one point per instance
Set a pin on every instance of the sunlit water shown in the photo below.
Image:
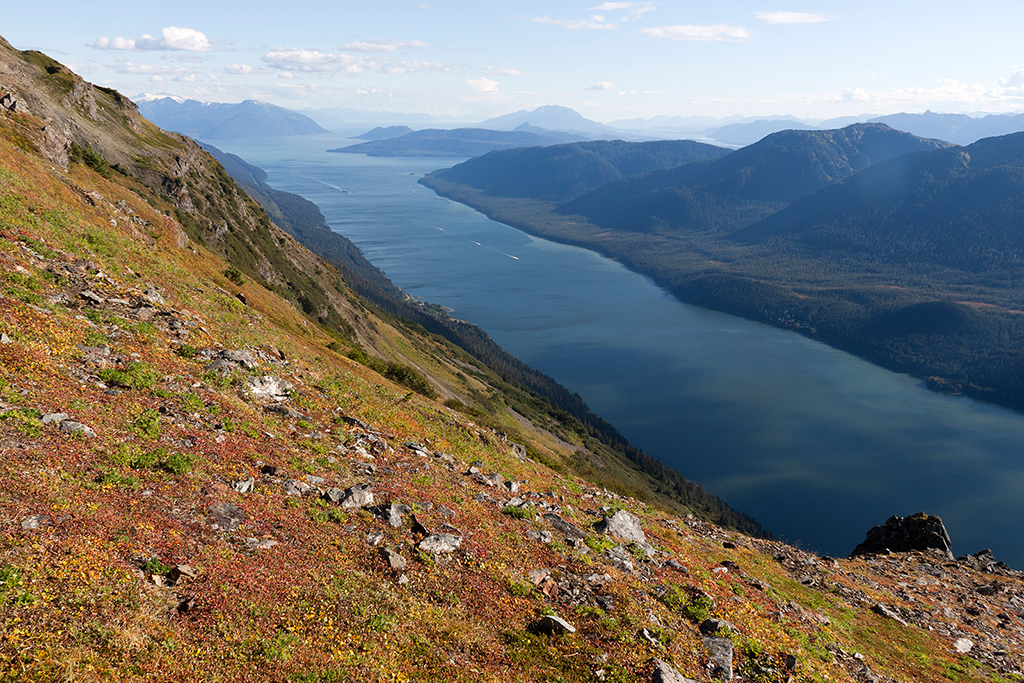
(816, 444)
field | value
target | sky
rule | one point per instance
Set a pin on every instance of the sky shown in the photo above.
(472, 59)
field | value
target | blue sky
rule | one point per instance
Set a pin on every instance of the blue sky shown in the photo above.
(607, 60)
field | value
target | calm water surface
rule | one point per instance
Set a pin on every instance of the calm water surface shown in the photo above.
(816, 444)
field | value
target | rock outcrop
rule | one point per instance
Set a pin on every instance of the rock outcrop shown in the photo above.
(906, 534)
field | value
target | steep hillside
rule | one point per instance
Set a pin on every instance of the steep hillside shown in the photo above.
(399, 338)
(198, 484)
(457, 142)
(563, 172)
(220, 121)
(744, 186)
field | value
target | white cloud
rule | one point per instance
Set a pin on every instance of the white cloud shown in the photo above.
(119, 43)
(125, 67)
(498, 71)
(380, 45)
(1014, 81)
(483, 84)
(191, 78)
(171, 38)
(241, 70)
(595, 22)
(603, 85)
(634, 10)
(156, 79)
(791, 17)
(632, 93)
(702, 34)
(287, 75)
(314, 61)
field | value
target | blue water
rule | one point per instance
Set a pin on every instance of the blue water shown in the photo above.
(816, 444)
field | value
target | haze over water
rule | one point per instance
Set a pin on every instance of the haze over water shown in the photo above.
(816, 444)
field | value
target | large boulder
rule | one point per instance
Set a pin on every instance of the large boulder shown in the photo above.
(906, 534)
(664, 673)
(624, 525)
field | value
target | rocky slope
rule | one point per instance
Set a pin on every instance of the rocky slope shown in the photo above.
(196, 485)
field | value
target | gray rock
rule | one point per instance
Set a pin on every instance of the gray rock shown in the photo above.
(239, 356)
(620, 557)
(394, 560)
(567, 528)
(375, 537)
(391, 514)
(440, 543)
(315, 480)
(92, 297)
(492, 479)
(226, 516)
(76, 428)
(333, 495)
(244, 486)
(721, 650)
(664, 673)
(293, 487)
(54, 417)
(269, 387)
(963, 645)
(222, 367)
(644, 634)
(906, 534)
(154, 297)
(402, 580)
(710, 627)
(36, 522)
(180, 573)
(623, 525)
(512, 486)
(288, 412)
(884, 611)
(358, 496)
(553, 625)
(4, 339)
(541, 535)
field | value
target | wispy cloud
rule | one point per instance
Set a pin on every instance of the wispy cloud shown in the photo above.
(791, 17)
(245, 70)
(314, 61)
(380, 45)
(499, 71)
(702, 34)
(595, 22)
(171, 38)
(634, 10)
(1014, 81)
(483, 84)
(603, 85)
(124, 66)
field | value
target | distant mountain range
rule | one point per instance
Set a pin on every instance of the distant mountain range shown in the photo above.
(384, 133)
(552, 118)
(459, 142)
(212, 120)
(958, 128)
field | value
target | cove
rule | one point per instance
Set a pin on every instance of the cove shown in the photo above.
(818, 445)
